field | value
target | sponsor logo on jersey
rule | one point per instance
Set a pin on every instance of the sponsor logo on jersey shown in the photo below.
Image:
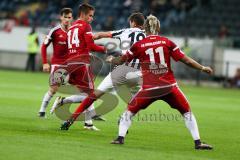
(62, 43)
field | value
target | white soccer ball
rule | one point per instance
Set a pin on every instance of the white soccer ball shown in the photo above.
(61, 76)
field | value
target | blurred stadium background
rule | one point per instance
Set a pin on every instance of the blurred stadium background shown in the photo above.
(207, 30)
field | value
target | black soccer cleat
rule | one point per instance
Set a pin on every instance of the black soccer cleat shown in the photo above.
(202, 146)
(98, 118)
(41, 114)
(119, 140)
(66, 125)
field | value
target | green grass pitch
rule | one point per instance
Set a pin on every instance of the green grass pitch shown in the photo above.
(23, 136)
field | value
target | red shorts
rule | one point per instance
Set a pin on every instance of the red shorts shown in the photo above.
(81, 76)
(174, 97)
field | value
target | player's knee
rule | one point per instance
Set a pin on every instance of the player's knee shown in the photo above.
(53, 90)
(98, 93)
(133, 109)
(183, 109)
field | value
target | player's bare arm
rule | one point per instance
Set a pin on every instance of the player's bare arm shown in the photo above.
(192, 63)
(116, 60)
(100, 35)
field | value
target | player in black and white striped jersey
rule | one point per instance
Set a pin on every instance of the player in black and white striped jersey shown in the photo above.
(126, 73)
(128, 36)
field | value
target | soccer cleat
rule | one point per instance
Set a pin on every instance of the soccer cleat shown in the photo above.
(66, 125)
(119, 140)
(98, 118)
(90, 127)
(57, 103)
(202, 146)
(42, 114)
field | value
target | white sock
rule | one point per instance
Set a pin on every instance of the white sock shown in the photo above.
(74, 99)
(125, 123)
(191, 124)
(89, 113)
(47, 97)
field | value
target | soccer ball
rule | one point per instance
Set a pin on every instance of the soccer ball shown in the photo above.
(60, 76)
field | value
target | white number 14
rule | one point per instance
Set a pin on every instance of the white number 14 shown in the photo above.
(74, 39)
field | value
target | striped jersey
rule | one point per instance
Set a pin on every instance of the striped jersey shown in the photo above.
(127, 38)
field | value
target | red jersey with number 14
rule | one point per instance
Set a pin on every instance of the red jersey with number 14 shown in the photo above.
(80, 42)
(154, 53)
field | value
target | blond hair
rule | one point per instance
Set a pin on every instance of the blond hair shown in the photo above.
(152, 25)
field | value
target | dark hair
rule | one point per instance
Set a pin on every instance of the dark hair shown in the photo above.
(85, 8)
(66, 11)
(138, 18)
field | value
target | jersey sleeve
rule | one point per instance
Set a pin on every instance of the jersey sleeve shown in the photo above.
(175, 51)
(116, 34)
(131, 54)
(44, 46)
(90, 42)
(51, 33)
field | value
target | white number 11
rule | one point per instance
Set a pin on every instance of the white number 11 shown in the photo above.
(158, 50)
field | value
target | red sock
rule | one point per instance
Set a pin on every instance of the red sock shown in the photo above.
(84, 105)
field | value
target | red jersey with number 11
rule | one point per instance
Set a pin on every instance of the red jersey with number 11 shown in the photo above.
(154, 53)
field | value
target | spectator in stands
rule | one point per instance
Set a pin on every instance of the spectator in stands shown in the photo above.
(24, 18)
(33, 46)
(223, 32)
(178, 11)
(109, 24)
(133, 5)
(205, 4)
(235, 82)
(158, 6)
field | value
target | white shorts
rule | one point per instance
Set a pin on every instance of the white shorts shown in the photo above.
(106, 84)
(119, 76)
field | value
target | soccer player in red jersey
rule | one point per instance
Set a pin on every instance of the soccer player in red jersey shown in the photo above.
(154, 53)
(80, 43)
(58, 37)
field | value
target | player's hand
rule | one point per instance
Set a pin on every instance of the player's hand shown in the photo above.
(109, 59)
(46, 67)
(207, 70)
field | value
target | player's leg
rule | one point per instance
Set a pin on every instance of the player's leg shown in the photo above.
(105, 85)
(82, 78)
(59, 101)
(50, 93)
(125, 79)
(176, 99)
(89, 114)
(28, 63)
(46, 99)
(140, 101)
(33, 65)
